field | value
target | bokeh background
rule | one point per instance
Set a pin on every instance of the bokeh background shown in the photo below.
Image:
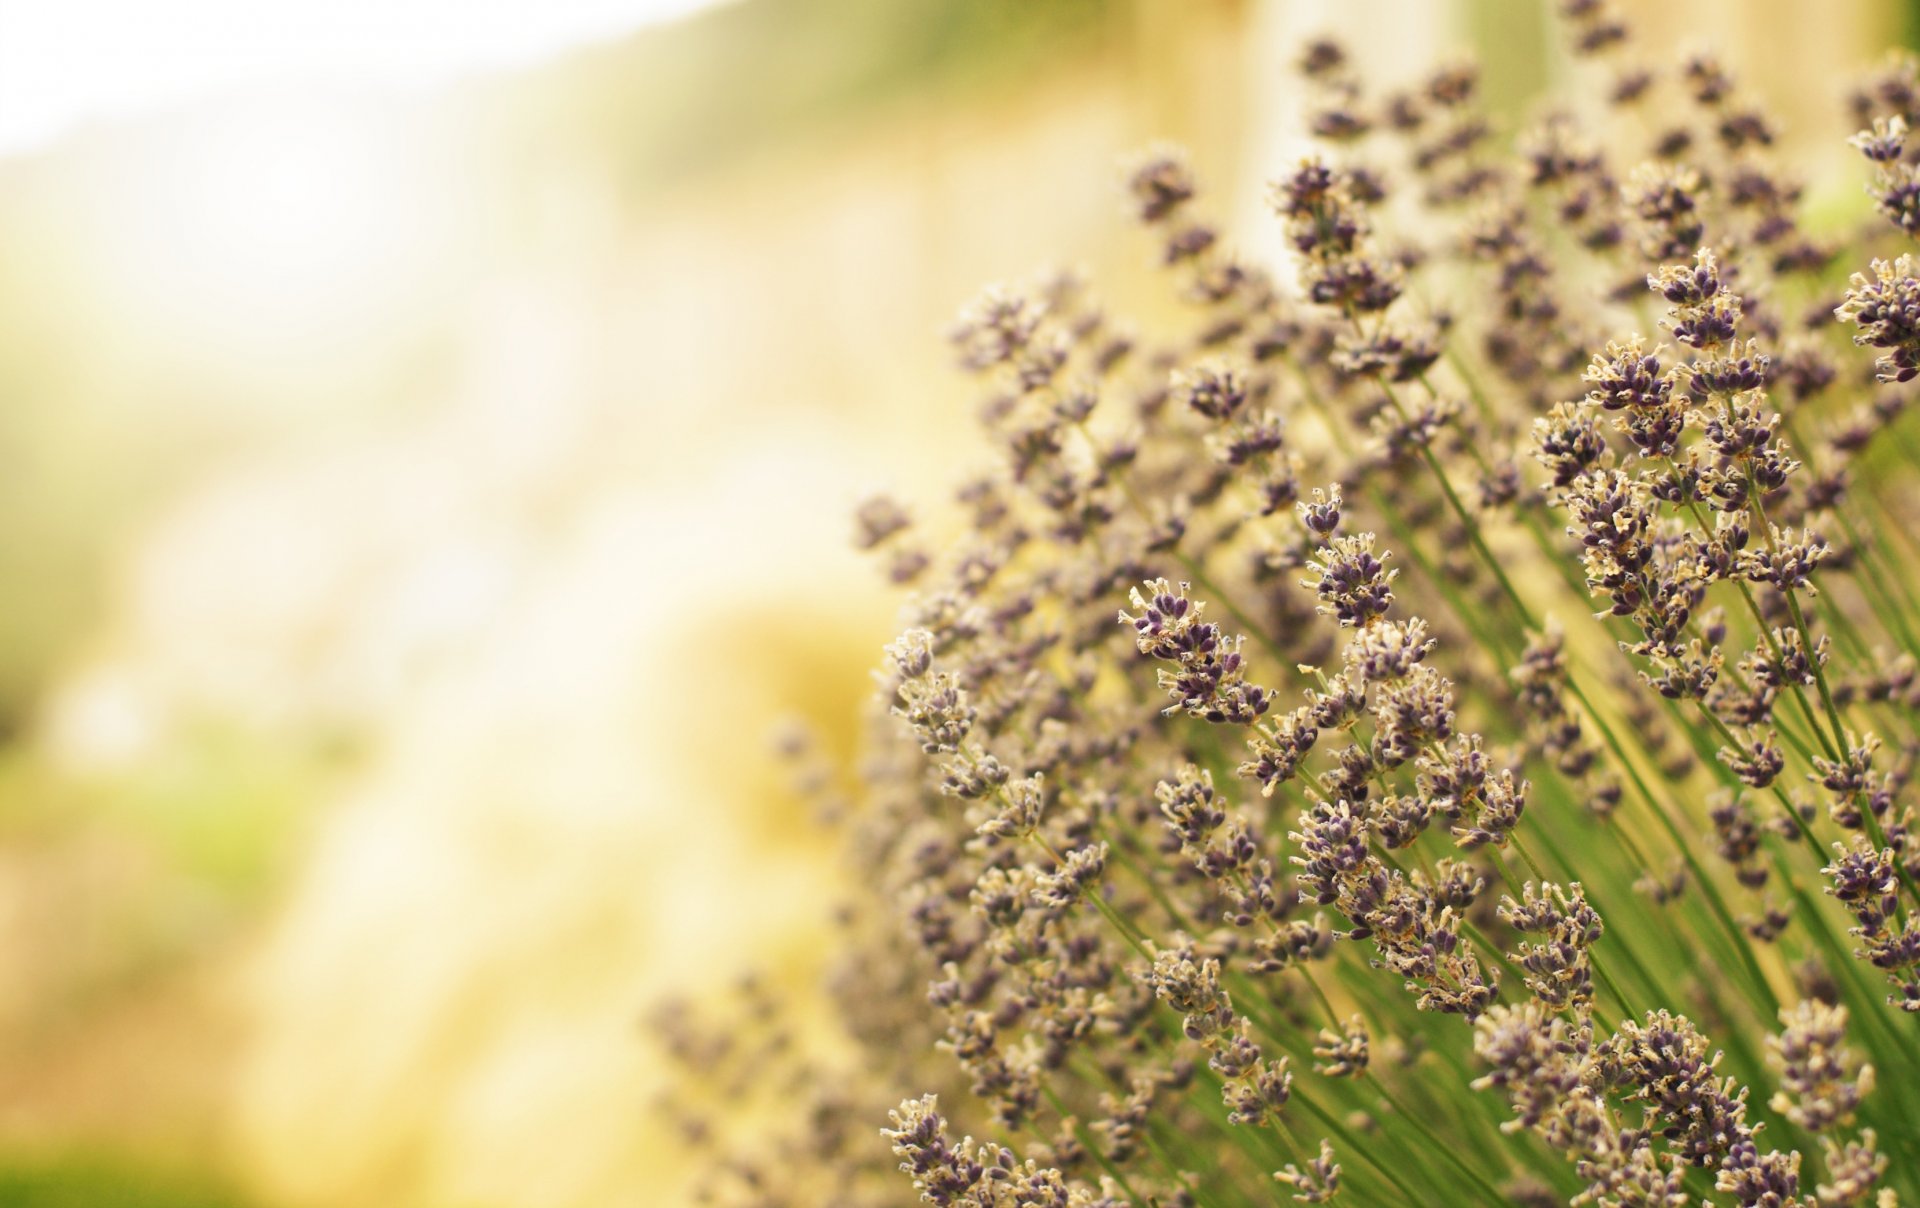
(427, 438)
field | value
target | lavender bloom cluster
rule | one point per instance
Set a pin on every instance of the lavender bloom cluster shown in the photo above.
(1497, 785)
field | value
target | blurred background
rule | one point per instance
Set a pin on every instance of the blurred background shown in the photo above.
(427, 438)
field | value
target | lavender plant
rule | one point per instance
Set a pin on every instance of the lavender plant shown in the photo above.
(1495, 785)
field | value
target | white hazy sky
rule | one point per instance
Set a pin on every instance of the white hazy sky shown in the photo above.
(63, 62)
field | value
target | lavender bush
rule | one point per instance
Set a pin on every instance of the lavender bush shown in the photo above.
(1495, 787)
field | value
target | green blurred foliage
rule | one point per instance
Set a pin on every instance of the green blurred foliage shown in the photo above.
(87, 1180)
(79, 461)
(677, 101)
(1516, 45)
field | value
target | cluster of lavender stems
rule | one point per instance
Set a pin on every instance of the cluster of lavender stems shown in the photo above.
(1436, 729)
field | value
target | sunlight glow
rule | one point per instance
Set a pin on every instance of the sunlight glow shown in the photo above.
(271, 230)
(78, 60)
(281, 204)
(309, 204)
